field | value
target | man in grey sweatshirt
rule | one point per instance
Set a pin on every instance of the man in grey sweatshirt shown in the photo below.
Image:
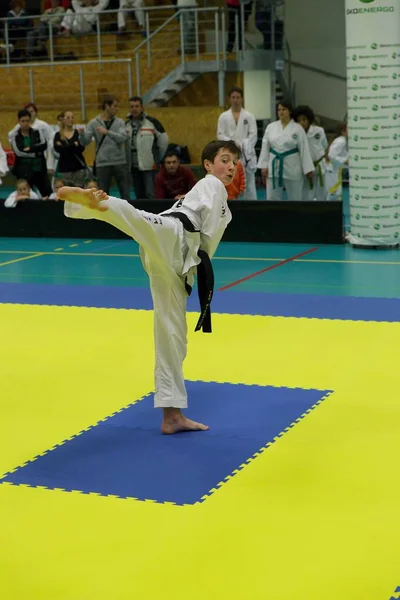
(110, 138)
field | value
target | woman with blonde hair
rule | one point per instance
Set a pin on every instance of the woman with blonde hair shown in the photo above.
(72, 168)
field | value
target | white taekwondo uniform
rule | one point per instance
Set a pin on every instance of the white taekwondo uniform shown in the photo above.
(315, 189)
(170, 257)
(338, 156)
(286, 155)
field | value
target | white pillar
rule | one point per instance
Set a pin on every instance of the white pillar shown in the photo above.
(373, 98)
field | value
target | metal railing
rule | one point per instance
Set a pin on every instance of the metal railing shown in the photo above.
(166, 44)
(190, 44)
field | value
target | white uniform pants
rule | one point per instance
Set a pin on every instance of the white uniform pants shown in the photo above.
(250, 192)
(318, 191)
(137, 5)
(163, 249)
(294, 189)
(76, 22)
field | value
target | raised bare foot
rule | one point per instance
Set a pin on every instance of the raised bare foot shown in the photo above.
(174, 422)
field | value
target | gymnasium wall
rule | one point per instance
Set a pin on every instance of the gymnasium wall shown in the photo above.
(315, 30)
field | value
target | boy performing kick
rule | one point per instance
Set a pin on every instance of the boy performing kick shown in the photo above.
(173, 245)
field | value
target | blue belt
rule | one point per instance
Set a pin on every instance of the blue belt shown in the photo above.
(280, 156)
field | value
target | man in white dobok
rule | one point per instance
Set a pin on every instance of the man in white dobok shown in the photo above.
(240, 126)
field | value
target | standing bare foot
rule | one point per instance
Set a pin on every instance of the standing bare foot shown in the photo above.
(174, 422)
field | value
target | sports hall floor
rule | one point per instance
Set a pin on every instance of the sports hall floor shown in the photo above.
(294, 491)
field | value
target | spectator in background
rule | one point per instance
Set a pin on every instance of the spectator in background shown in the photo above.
(72, 166)
(173, 181)
(83, 17)
(91, 184)
(147, 145)
(313, 189)
(29, 146)
(285, 156)
(22, 192)
(267, 11)
(19, 22)
(110, 137)
(3, 163)
(240, 126)
(238, 185)
(58, 184)
(188, 21)
(338, 158)
(53, 15)
(235, 15)
(137, 7)
(47, 132)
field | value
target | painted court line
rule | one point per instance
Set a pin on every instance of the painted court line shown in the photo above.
(232, 258)
(279, 264)
(15, 260)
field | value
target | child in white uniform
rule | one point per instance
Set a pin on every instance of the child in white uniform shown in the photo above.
(285, 156)
(313, 189)
(173, 245)
(338, 158)
(22, 192)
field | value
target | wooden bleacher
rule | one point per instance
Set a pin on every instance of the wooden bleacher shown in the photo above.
(58, 88)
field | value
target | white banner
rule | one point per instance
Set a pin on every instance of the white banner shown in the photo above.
(373, 98)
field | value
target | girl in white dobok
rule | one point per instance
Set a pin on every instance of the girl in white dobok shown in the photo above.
(313, 189)
(285, 156)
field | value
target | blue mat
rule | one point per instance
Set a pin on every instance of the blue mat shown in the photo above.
(127, 456)
(348, 308)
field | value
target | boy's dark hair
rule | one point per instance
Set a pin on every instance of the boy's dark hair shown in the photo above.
(211, 150)
(23, 113)
(108, 101)
(305, 111)
(19, 181)
(171, 153)
(236, 89)
(287, 105)
(136, 99)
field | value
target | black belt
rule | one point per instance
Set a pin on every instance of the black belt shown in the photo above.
(205, 277)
